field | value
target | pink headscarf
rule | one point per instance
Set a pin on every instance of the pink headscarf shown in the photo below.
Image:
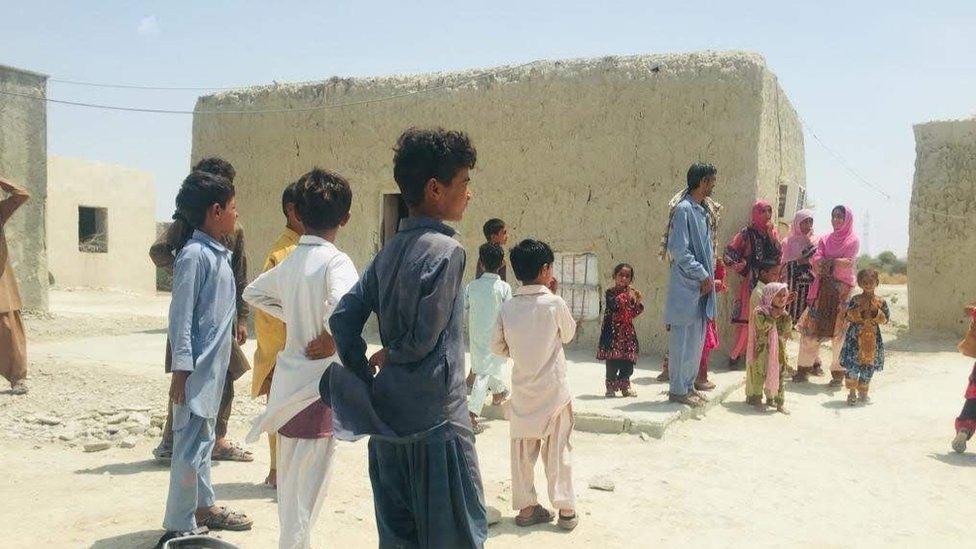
(797, 241)
(772, 365)
(842, 243)
(759, 223)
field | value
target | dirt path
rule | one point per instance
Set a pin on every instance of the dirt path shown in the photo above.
(827, 475)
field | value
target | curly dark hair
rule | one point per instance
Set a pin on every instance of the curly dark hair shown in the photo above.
(200, 191)
(422, 154)
(324, 199)
(216, 166)
(491, 256)
(528, 257)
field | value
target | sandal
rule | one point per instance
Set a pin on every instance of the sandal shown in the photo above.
(163, 453)
(231, 452)
(959, 442)
(539, 515)
(851, 398)
(225, 519)
(567, 523)
(687, 399)
(498, 398)
(19, 388)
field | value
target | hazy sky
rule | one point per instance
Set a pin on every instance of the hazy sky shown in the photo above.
(859, 73)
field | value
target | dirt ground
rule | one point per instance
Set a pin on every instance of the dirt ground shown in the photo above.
(825, 476)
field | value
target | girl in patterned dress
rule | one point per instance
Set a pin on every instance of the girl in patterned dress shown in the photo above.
(618, 339)
(863, 351)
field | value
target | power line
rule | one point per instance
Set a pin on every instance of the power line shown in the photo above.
(843, 162)
(139, 86)
(276, 111)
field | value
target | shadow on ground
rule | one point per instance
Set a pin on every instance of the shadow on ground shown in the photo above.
(243, 490)
(144, 539)
(131, 468)
(958, 460)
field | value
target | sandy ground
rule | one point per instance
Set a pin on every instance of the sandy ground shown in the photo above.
(827, 475)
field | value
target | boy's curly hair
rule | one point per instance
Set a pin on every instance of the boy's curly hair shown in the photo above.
(422, 154)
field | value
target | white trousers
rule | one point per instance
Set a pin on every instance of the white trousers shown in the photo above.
(304, 469)
(556, 451)
(483, 384)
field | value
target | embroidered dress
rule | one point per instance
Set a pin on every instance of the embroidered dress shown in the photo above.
(618, 338)
(766, 361)
(863, 351)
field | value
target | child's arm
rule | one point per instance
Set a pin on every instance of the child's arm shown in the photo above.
(854, 312)
(264, 294)
(440, 286)
(340, 277)
(565, 322)
(347, 324)
(883, 314)
(238, 263)
(498, 344)
(189, 274)
(18, 196)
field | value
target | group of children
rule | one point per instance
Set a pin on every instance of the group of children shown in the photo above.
(408, 397)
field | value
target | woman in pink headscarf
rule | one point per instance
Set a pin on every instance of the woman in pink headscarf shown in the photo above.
(833, 267)
(798, 249)
(751, 248)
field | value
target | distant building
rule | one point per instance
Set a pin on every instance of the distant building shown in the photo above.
(584, 154)
(100, 225)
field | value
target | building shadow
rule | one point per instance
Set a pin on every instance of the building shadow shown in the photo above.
(145, 539)
(957, 460)
(923, 343)
(244, 490)
(131, 468)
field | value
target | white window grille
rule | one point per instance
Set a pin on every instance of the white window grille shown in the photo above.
(579, 283)
(781, 206)
(801, 199)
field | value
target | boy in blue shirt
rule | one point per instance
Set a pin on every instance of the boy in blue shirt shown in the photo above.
(422, 463)
(201, 328)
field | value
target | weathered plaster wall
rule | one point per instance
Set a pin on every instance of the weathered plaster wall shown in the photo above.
(23, 158)
(941, 244)
(583, 154)
(130, 198)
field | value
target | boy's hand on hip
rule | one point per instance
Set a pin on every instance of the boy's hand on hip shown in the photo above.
(379, 360)
(177, 387)
(321, 347)
(241, 333)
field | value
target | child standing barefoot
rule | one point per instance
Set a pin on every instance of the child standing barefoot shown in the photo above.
(618, 339)
(863, 351)
(769, 328)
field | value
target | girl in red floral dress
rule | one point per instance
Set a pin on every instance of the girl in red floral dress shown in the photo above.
(618, 339)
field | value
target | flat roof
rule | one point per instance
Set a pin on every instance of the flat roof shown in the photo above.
(22, 71)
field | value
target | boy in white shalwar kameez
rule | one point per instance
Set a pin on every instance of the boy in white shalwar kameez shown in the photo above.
(532, 328)
(303, 290)
(483, 298)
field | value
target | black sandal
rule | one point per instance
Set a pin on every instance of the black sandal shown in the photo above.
(539, 515)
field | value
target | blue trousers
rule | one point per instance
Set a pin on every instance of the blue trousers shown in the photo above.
(685, 345)
(189, 474)
(427, 491)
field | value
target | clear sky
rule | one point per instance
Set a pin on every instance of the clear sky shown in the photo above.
(859, 73)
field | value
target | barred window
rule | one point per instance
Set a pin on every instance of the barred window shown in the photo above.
(579, 283)
(801, 199)
(783, 189)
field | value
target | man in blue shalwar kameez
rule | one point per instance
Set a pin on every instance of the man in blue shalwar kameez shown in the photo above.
(691, 293)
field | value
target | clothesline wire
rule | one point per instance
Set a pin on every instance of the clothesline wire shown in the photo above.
(844, 164)
(487, 74)
(837, 156)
